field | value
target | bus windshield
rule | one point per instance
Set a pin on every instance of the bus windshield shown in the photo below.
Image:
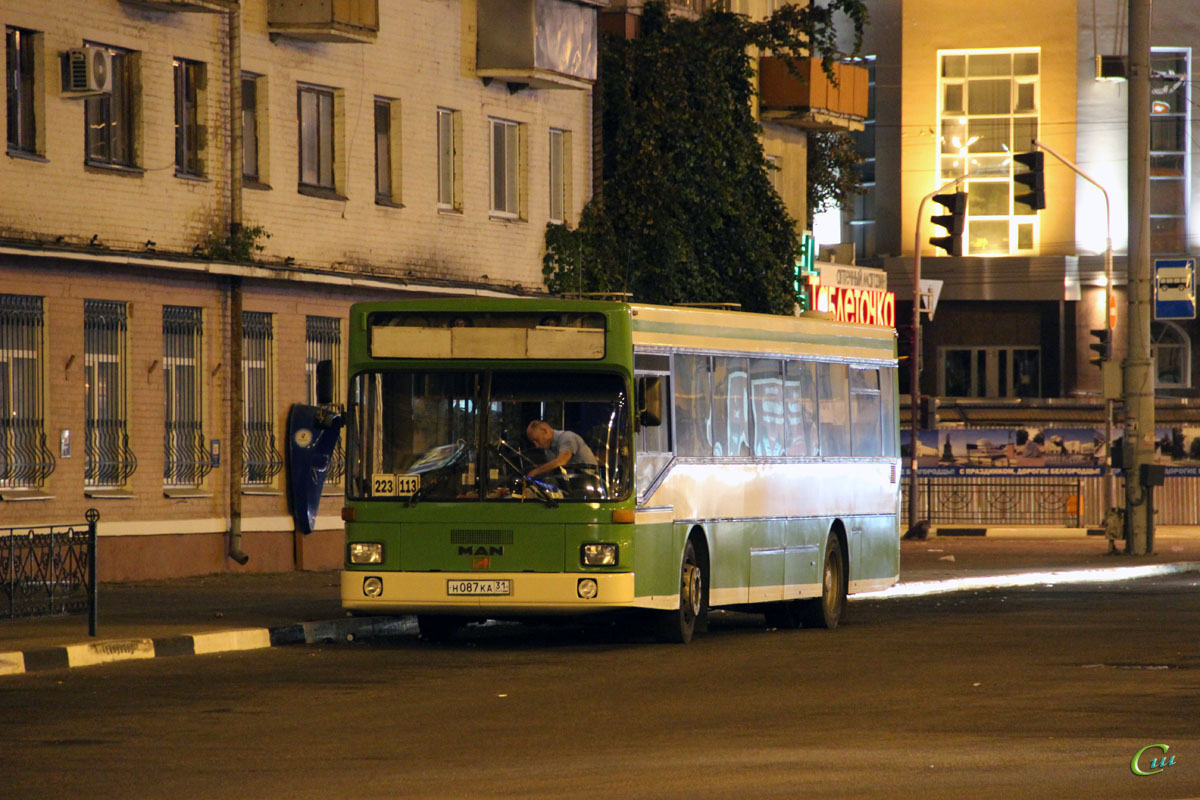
(461, 436)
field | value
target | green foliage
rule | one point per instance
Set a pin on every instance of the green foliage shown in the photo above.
(686, 211)
(833, 176)
(240, 246)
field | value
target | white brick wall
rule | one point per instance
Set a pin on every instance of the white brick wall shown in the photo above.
(423, 57)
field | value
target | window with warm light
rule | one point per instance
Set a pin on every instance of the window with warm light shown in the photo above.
(1169, 108)
(988, 104)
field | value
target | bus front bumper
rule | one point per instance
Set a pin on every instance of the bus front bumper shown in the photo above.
(528, 592)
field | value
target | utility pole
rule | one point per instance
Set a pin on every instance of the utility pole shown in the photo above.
(1138, 448)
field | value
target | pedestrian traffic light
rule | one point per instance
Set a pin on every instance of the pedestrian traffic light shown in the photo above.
(1102, 346)
(1032, 179)
(953, 222)
(930, 406)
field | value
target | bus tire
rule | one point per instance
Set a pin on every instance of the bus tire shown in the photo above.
(437, 627)
(678, 626)
(826, 611)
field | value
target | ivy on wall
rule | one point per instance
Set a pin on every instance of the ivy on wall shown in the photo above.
(685, 211)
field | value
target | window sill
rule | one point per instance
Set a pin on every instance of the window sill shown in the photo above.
(258, 186)
(494, 217)
(17, 495)
(264, 492)
(117, 169)
(448, 211)
(109, 494)
(189, 176)
(321, 192)
(386, 203)
(25, 155)
(185, 493)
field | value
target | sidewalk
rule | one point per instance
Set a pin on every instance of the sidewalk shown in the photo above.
(218, 613)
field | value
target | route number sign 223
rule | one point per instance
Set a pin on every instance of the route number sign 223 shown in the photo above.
(385, 484)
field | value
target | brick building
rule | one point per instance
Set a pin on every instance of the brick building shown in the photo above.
(368, 148)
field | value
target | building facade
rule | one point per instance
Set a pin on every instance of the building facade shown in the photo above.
(958, 100)
(197, 190)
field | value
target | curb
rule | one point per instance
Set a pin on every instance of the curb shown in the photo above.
(1044, 534)
(196, 644)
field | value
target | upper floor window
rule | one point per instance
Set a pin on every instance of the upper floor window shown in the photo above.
(988, 110)
(862, 219)
(506, 168)
(109, 118)
(449, 159)
(316, 137)
(559, 174)
(189, 129)
(387, 157)
(1169, 107)
(20, 75)
(253, 130)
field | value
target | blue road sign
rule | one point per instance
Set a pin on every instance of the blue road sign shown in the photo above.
(1175, 288)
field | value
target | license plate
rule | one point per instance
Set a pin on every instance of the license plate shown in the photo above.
(497, 586)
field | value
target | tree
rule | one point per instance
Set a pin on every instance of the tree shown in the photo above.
(685, 211)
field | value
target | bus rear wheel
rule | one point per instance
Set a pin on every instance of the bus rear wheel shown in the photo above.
(679, 626)
(826, 611)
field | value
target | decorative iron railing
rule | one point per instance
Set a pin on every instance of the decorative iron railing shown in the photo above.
(1054, 502)
(50, 569)
(24, 460)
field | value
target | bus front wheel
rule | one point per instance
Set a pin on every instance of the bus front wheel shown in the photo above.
(678, 626)
(826, 611)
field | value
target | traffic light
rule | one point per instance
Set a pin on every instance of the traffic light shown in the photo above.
(953, 222)
(929, 412)
(1102, 346)
(1032, 179)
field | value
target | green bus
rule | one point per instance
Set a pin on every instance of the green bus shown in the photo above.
(714, 459)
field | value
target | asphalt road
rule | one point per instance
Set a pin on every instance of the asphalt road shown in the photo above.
(1038, 693)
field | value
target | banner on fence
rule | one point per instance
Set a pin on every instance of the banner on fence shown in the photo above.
(1034, 452)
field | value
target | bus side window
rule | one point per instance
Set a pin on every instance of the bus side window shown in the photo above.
(800, 407)
(693, 405)
(833, 388)
(865, 411)
(650, 400)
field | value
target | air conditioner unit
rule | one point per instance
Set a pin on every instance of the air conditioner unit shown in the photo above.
(87, 70)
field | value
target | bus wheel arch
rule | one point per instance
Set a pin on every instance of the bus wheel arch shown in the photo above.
(678, 625)
(826, 610)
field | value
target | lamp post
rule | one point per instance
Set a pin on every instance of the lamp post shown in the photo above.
(914, 365)
(1109, 480)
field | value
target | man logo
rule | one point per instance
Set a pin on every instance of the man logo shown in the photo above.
(480, 550)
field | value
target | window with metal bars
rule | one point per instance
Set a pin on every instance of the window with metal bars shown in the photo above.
(186, 460)
(260, 461)
(323, 340)
(109, 460)
(25, 463)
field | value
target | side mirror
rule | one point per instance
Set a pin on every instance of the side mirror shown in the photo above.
(324, 382)
(650, 400)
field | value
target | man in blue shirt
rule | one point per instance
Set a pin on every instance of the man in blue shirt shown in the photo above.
(562, 449)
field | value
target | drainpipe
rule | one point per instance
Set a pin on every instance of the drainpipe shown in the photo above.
(236, 389)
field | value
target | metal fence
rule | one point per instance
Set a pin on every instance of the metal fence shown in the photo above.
(1072, 502)
(50, 569)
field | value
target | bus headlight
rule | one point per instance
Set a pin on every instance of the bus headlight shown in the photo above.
(366, 552)
(598, 555)
(373, 587)
(587, 588)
